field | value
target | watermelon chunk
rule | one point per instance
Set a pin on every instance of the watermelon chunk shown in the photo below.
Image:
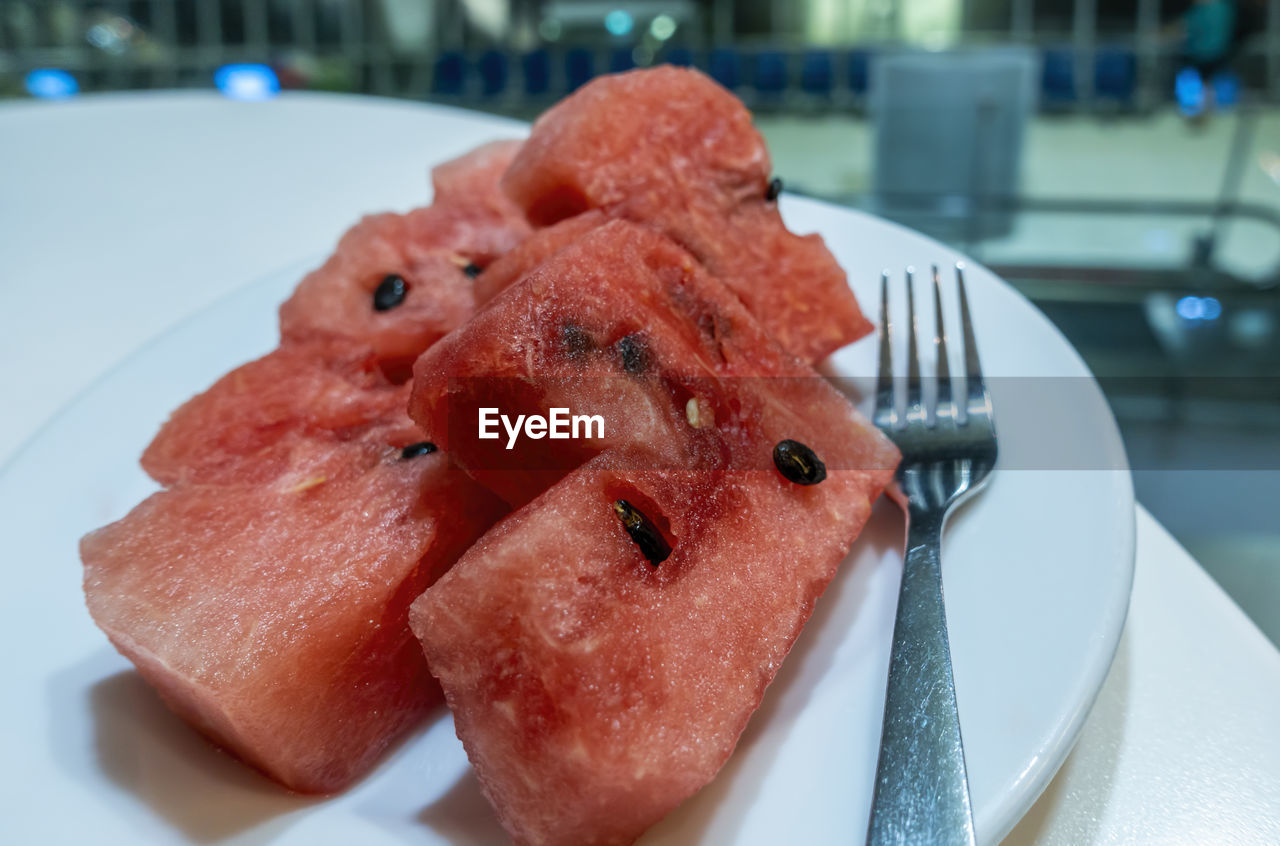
(579, 673)
(434, 252)
(265, 593)
(336, 301)
(639, 140)
(256, 411)
(670, 148)
(471, 181)
(472, 210)
(541, 245)
(625, 324)
(574, 655)
(273, 616)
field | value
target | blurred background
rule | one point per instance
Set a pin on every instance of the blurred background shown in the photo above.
(1118, 161)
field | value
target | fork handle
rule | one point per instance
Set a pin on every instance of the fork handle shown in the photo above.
(922, 791)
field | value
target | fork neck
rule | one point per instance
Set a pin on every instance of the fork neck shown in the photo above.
(924, 523)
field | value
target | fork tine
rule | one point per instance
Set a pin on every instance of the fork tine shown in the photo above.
(976, 388)
(884, 375)
(944, 405)
(914, 407)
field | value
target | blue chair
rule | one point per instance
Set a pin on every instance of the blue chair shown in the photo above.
(679, 56)
(1226, 89)
(450, 75)
(537, 72)
(1115, 75)
(859, 71)
(724, 66)
(1058, 77)
(621, 59)
(493, 72)
(579, 67)
(816, 74)
(770, 76)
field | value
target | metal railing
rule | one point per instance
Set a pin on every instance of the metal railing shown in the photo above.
(437, 52)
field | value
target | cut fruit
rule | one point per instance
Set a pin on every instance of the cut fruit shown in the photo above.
(595, 691)
(258, 410)
(649, 141)
(265, 593)
(272, 616)
(670, 148)
(533, 251)
(471, 181)
(338, 302)
(624, 324)
(603, 647)
(398, 282)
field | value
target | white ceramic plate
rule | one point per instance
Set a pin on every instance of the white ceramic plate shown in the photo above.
(1037, 570)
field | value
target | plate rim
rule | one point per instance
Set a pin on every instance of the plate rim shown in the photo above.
(1012, 807)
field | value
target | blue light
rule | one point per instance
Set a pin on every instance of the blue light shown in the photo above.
(1199, 308)
(618, 22)
(247, 82)
(51, 84)
(1188, 89)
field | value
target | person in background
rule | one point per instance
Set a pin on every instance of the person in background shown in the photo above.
(1208, 31)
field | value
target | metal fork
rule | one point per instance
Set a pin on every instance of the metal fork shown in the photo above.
(948, 450)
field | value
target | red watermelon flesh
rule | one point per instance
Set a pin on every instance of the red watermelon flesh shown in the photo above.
(335, 303)
(471, 181)
(541, 245)
(272, 615)
(265, 593)
(472, 211)
(669, 147)
(243, 427)
(594, 691)
(576, 669)
(625, 324)
(651, 139)
(435, 251)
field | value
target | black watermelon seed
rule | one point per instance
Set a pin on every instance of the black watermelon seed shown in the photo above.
(420, 448)
(472, 270)
(634, 351)
(390, 292)
(577, 342)
(775, 188)
(798, 463)
(646, 535)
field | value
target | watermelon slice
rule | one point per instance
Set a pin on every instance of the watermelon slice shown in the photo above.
(398, 282)
(272, 615)
(471, 208)
(395, 284)
(625, 324)
(471, 181)
(265, 593)
(595, 691)
(541, 245)
(258, 410)
(670, 148)
(572, 640)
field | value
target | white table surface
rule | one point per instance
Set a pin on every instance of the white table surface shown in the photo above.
(120, 215)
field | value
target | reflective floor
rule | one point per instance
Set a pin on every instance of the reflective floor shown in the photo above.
(1157, 157)
(1199, 403)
